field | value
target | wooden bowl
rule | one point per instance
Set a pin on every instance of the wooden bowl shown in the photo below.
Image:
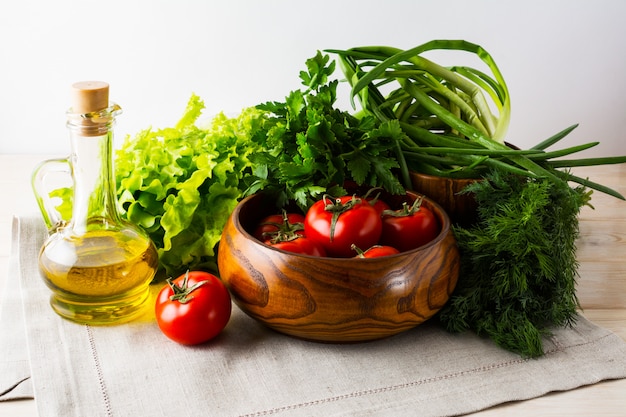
(461, 208)
(337, 300)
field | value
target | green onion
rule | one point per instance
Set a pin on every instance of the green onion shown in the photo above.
(555, 138)
(568, 163)
(450, 127)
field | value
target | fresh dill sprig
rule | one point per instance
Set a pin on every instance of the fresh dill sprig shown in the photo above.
(518, 263)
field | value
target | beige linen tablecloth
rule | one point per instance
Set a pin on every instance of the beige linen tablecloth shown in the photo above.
(133, 370)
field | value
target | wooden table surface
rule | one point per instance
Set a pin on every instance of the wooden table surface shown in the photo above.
(601, 286)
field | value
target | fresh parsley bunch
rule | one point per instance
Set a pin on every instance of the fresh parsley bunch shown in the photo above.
(312, 148)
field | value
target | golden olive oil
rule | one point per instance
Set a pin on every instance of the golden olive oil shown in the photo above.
(99, 277)
(98, 266)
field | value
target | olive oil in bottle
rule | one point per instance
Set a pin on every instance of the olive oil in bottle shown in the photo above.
(97, 266)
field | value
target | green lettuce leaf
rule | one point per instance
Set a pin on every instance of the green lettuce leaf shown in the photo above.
(180, 184)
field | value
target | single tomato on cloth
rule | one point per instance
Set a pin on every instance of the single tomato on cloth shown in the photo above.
(193, 308)
(339, 223)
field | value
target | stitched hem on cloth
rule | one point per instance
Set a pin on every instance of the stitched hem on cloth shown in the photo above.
(96, 362)
(373, 391)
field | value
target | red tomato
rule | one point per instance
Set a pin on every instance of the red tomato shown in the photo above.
(275, 223)
(193, 308)
(376, 251)
(409, 227)
(299, 245)
(376, 202)
(338, 223)
(379, 206)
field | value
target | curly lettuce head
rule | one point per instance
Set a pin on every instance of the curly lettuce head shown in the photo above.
(180, 184)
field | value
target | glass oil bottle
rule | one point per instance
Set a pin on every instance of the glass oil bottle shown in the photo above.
(97, 266)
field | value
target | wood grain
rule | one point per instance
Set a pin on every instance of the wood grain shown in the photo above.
(335, 299)
(602, 242)
(445, 191)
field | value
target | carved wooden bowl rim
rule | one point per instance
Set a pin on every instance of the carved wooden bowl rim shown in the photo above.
(439, 212)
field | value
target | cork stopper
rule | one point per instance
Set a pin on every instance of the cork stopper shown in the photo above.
(89, 96)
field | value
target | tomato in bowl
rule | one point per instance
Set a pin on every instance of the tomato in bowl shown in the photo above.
(336, 299)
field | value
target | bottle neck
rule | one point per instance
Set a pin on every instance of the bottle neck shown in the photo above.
(95, 203)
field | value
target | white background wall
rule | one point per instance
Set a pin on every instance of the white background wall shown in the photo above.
(564, 60)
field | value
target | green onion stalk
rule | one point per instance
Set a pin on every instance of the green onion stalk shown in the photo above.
(455, 117)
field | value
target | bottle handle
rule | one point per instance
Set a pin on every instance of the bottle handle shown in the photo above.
(52, 217)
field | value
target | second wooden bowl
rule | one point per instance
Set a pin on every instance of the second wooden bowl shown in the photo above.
(461, 207)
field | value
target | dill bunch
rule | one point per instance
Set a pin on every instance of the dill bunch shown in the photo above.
(518, 262)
